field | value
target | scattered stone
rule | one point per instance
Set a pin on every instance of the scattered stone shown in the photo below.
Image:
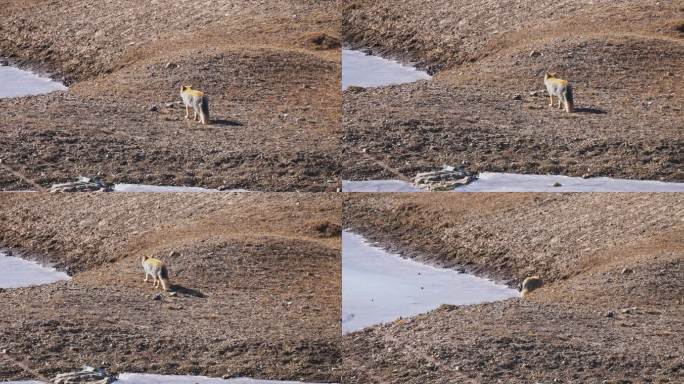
(444, 180)
(157, 297)
(170, 65)
(586, 175)
(83, 184)
(173, 254)
(170, 105)
(627, 271)
(355, 89)
(536, 54)
(173, 293)
(86, 376)
(154, 108)
(517, 96)
(534, 93)
(557, 184)
(610, 314)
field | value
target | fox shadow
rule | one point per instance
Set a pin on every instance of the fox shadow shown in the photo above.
(595, 111)
(187, 291)
(226, 122)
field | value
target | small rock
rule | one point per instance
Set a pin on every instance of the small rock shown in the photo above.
(157, 296)
(627, 271)
(169, 105)
(586, 175)
(517, 96)
(535, 54)
(534, 93)
(173, 293)
(170, 65)
(557, 184)
(173, 254)
(610, 314)
(153, 108)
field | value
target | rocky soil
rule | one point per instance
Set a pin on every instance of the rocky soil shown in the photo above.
(256, 281)
(271, 70)
(610, 312)
(486, 107)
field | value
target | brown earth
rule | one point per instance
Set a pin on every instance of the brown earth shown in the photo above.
(257, 278)
(270, 68)
(487, 107)
(611, 310)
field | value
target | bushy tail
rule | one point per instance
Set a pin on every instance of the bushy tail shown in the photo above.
(568, 99)
(164, 277)
(205, 110)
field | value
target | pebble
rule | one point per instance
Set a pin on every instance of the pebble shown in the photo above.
(157, 296)
(610, 314)
(627, 271)
(557, 184)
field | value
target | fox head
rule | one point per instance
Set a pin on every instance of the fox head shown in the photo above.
(144, 258)
(550, 75)
(186, 88)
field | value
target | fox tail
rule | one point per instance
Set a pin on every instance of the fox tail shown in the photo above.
(164, 277)
(205, 110)
(568, 99)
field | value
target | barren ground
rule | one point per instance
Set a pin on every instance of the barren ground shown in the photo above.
(611, 308)
(487, 108)
(257, 282)
(271, 70)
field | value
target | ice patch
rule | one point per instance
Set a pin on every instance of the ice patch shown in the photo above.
(361, 70)
(16, 272)
(16, 83)
(512, 182)
(379, 287)
(379, 186)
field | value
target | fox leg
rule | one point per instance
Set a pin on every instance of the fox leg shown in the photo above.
(560, 102)
(196, 115)
(146, 276)
(550, 100)
(187, 112)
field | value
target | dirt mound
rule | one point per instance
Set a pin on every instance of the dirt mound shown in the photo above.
(487, 108)
(609, 311)
(275, 104)
(252, 297)
(440, 35)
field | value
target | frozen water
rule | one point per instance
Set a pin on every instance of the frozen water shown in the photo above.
(161, 188)
(359, 69)
(379, 287)
(512, 182)
(378, 186)
(16, 272)
(16, 82)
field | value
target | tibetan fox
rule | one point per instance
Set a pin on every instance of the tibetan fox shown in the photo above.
(157, 269)
(561, 89)
(530, 284)
(196, 100)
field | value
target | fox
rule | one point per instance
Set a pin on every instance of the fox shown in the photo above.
(530, 284)
(561, 89)
(157, 269)
(198, 101)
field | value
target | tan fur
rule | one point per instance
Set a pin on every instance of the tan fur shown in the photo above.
(158, 270)
(560, 88)
(530, 284)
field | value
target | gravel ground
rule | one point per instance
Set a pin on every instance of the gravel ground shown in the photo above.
(257, 279)
(270, 69)
(611, 308)
(486, 107)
